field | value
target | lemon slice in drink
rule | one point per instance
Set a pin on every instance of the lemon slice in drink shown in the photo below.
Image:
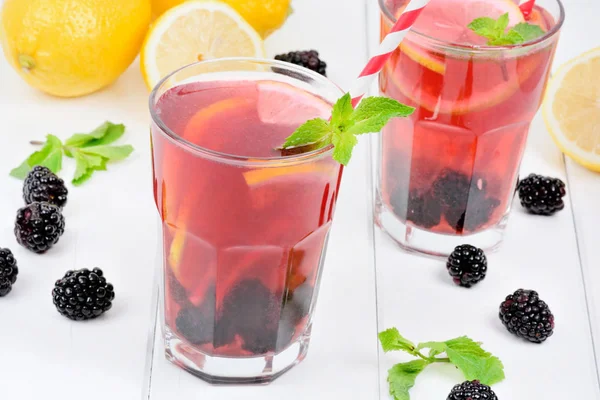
(572, 109)
(196, 31)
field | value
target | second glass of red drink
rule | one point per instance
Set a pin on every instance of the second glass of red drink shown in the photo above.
(447, 174)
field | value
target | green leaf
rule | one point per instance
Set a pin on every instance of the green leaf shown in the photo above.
(86, 165)
(112, 153)
(528, 31)
(313, 131)
(342, 110)
(500, 25)
(402, 377)
(474, 362)
(344, 144)
(21, 171)
(50, 155)
(373, 113)
(102, 135)
(440, 347)
(391, 340)
(495, 31)
(483, 26)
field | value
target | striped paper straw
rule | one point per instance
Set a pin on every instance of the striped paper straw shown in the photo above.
(386, 48)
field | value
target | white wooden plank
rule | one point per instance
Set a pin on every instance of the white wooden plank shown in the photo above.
(342, 360)
(583, 185)
(416, 294)
(108, 225)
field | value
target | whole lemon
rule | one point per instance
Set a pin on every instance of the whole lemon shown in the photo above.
(264, 15)
(70, 48)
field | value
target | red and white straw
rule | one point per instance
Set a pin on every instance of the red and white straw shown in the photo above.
(527, 8)
(389, 44)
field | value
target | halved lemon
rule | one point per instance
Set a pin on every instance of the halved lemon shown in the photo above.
(196, 31)
(572, 109)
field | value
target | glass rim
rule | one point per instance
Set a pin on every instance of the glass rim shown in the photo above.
(233, 158)
(481, 49)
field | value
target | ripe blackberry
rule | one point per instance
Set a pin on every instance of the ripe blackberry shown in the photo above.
(83, 294)
(472, 390)
(467, 265)
(451, 188)
(39, 226)
(42, 185)
(8, 271)
(250, 311)
(542, 195)
(197, 324)
(528, 317)
(307, 59)
(420, 209)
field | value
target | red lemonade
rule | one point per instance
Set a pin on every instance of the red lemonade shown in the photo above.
(244, 227)
(451, 168)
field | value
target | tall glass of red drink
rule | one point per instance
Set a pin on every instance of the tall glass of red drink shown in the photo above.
(447, 174)
(244, 227)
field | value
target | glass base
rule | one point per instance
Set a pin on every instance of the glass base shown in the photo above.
(219, 370)
(422, 241)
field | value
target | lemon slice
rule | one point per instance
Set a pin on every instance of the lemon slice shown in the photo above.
(258, 177)
(196, 31)
(572, 109)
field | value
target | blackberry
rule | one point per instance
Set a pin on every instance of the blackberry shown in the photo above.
(420, 209)
(467, 265)
(42, 184)
(83, 294)
(472, 390)
(8, 271)
(542, 195)
(197, 324)
(251, 311)
(528, 317)
(451, 189)
(307, 59)
(295, 308)
(39, 226)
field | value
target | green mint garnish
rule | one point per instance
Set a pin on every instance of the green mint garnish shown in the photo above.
(91, 152)
(494, 30)
(464, 353)
(346, 123)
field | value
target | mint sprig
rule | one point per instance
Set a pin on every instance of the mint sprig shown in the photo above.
(464, 353)
(371, 115)
(494, 30)
(91, 152)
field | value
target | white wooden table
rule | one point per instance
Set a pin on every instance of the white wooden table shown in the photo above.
(368, 284)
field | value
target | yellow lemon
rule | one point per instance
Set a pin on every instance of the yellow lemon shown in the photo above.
(70, 48)
(572, 109)
(264, 15)
(193, 31)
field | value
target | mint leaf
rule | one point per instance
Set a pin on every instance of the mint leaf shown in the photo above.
(370, 116)
(500, 25)
(48, 156)
(473, 361)
(466, 354)
(86, 165)
(112, 153)
(343, 145)
(313, 131)
(342, 110)
(373, 113)
(391, 340)
(484, 26)
(528, 31)
(107, 129)
(495, 31)
(402, 377)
